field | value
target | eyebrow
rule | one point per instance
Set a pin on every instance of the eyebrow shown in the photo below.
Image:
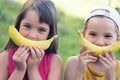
(43, 27)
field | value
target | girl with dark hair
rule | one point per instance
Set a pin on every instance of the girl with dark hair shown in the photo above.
(35, 21)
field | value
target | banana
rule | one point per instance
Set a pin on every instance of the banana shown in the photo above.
(18, 39)
(98, 49)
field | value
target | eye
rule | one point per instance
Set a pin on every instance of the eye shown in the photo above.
(27, 26)
(41, 30)
(92, 34)
(108, 36)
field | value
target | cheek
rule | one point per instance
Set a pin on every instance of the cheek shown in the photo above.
(108, 42)
(23, 32)
(42, 37)
(92, 40)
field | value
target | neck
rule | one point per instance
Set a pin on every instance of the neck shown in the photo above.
(98, 66)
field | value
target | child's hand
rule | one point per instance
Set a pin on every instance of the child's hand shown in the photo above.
(84, 59)
(20, 58)
(109, 63)
(36, 54)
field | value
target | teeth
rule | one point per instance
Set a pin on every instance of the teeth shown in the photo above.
(18, 39)
(98, 49)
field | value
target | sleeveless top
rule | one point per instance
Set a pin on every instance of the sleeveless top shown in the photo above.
(91, 74)
(43, 67)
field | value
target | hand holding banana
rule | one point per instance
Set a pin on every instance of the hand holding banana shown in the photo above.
(98, 49)
(18, 39)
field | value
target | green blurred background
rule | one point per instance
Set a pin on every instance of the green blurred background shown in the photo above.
(71, 14)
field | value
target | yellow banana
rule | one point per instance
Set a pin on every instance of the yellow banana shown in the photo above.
(18, 39)
(98, 49)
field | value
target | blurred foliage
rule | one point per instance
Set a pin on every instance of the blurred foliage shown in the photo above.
(67, 28)
(8, 11)
(118, 9)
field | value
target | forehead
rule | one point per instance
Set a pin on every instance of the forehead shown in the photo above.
(32, 18)
(31, 14)
(101, 23)
(101, 18)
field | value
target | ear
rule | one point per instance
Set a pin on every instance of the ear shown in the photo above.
(83, 33)
(118, 38)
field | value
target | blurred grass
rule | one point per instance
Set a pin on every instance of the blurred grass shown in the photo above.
(8, 11)
(68, 40)
(68, 24)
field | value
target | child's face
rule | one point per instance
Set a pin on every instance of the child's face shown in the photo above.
(101, 31)
(32, 29)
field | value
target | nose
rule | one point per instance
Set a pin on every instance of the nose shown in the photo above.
(32, 35)
(100, 42)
